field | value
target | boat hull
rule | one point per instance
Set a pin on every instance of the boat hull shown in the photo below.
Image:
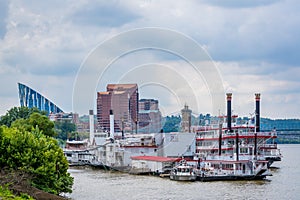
(183, 177)
(230, 178)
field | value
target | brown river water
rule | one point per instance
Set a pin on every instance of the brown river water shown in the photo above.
(93, 184)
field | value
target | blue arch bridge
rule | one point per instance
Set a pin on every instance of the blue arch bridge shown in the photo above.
(31, 98)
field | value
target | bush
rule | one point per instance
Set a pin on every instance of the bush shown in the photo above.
(38, 155)
(7, 194)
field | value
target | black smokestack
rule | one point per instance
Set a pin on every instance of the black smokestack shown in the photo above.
(257, 112)
(237, 146)
(229, 96)
(220, 139)
(255, 145)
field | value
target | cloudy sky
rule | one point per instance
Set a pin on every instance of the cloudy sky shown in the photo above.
(254, 47)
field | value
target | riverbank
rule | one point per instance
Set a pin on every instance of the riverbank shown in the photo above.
(7, 194)
(19, 183)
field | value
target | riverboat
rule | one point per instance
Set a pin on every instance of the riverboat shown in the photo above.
(222, 170)
(78, 153)
(183, 172)
(225, 140)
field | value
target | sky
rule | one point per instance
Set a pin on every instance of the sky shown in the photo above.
(179, 52)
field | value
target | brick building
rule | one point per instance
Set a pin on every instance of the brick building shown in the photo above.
(123, 100)
(149, 116)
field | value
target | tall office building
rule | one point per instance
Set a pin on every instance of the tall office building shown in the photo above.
(149, 116)
(122, 99)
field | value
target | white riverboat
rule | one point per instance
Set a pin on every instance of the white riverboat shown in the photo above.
(220, 170)
(227, 140)
(183, 172)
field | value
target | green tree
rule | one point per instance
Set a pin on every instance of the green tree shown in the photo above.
(38, 155)
(18, 113)
(172, 124)
(36, 120)
(64, 129)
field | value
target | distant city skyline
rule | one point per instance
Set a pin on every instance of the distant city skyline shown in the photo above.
(254, 47)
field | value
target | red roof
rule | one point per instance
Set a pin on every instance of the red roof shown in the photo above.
(155, 158)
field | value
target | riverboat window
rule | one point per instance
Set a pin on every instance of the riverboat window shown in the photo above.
(231, 142)
(200, 134)
(199, 143)
(211, 133)
(215, 166)
(207, 143)
(243, 150)
(101, 136)
(228, 166)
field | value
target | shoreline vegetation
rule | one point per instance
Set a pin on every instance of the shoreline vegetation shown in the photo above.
(16, 185)
(6, 194)
(31, 160)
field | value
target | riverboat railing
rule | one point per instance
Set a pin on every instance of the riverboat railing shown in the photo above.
(215, 134)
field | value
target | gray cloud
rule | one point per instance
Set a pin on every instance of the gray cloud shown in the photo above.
(278, 85)
(41, 62)
(256, 43)
(267, 33)
(105, 14)
(3, 17)
(266, 30)
(239, 4)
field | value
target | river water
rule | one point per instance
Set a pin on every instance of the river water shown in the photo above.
(92, 184)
